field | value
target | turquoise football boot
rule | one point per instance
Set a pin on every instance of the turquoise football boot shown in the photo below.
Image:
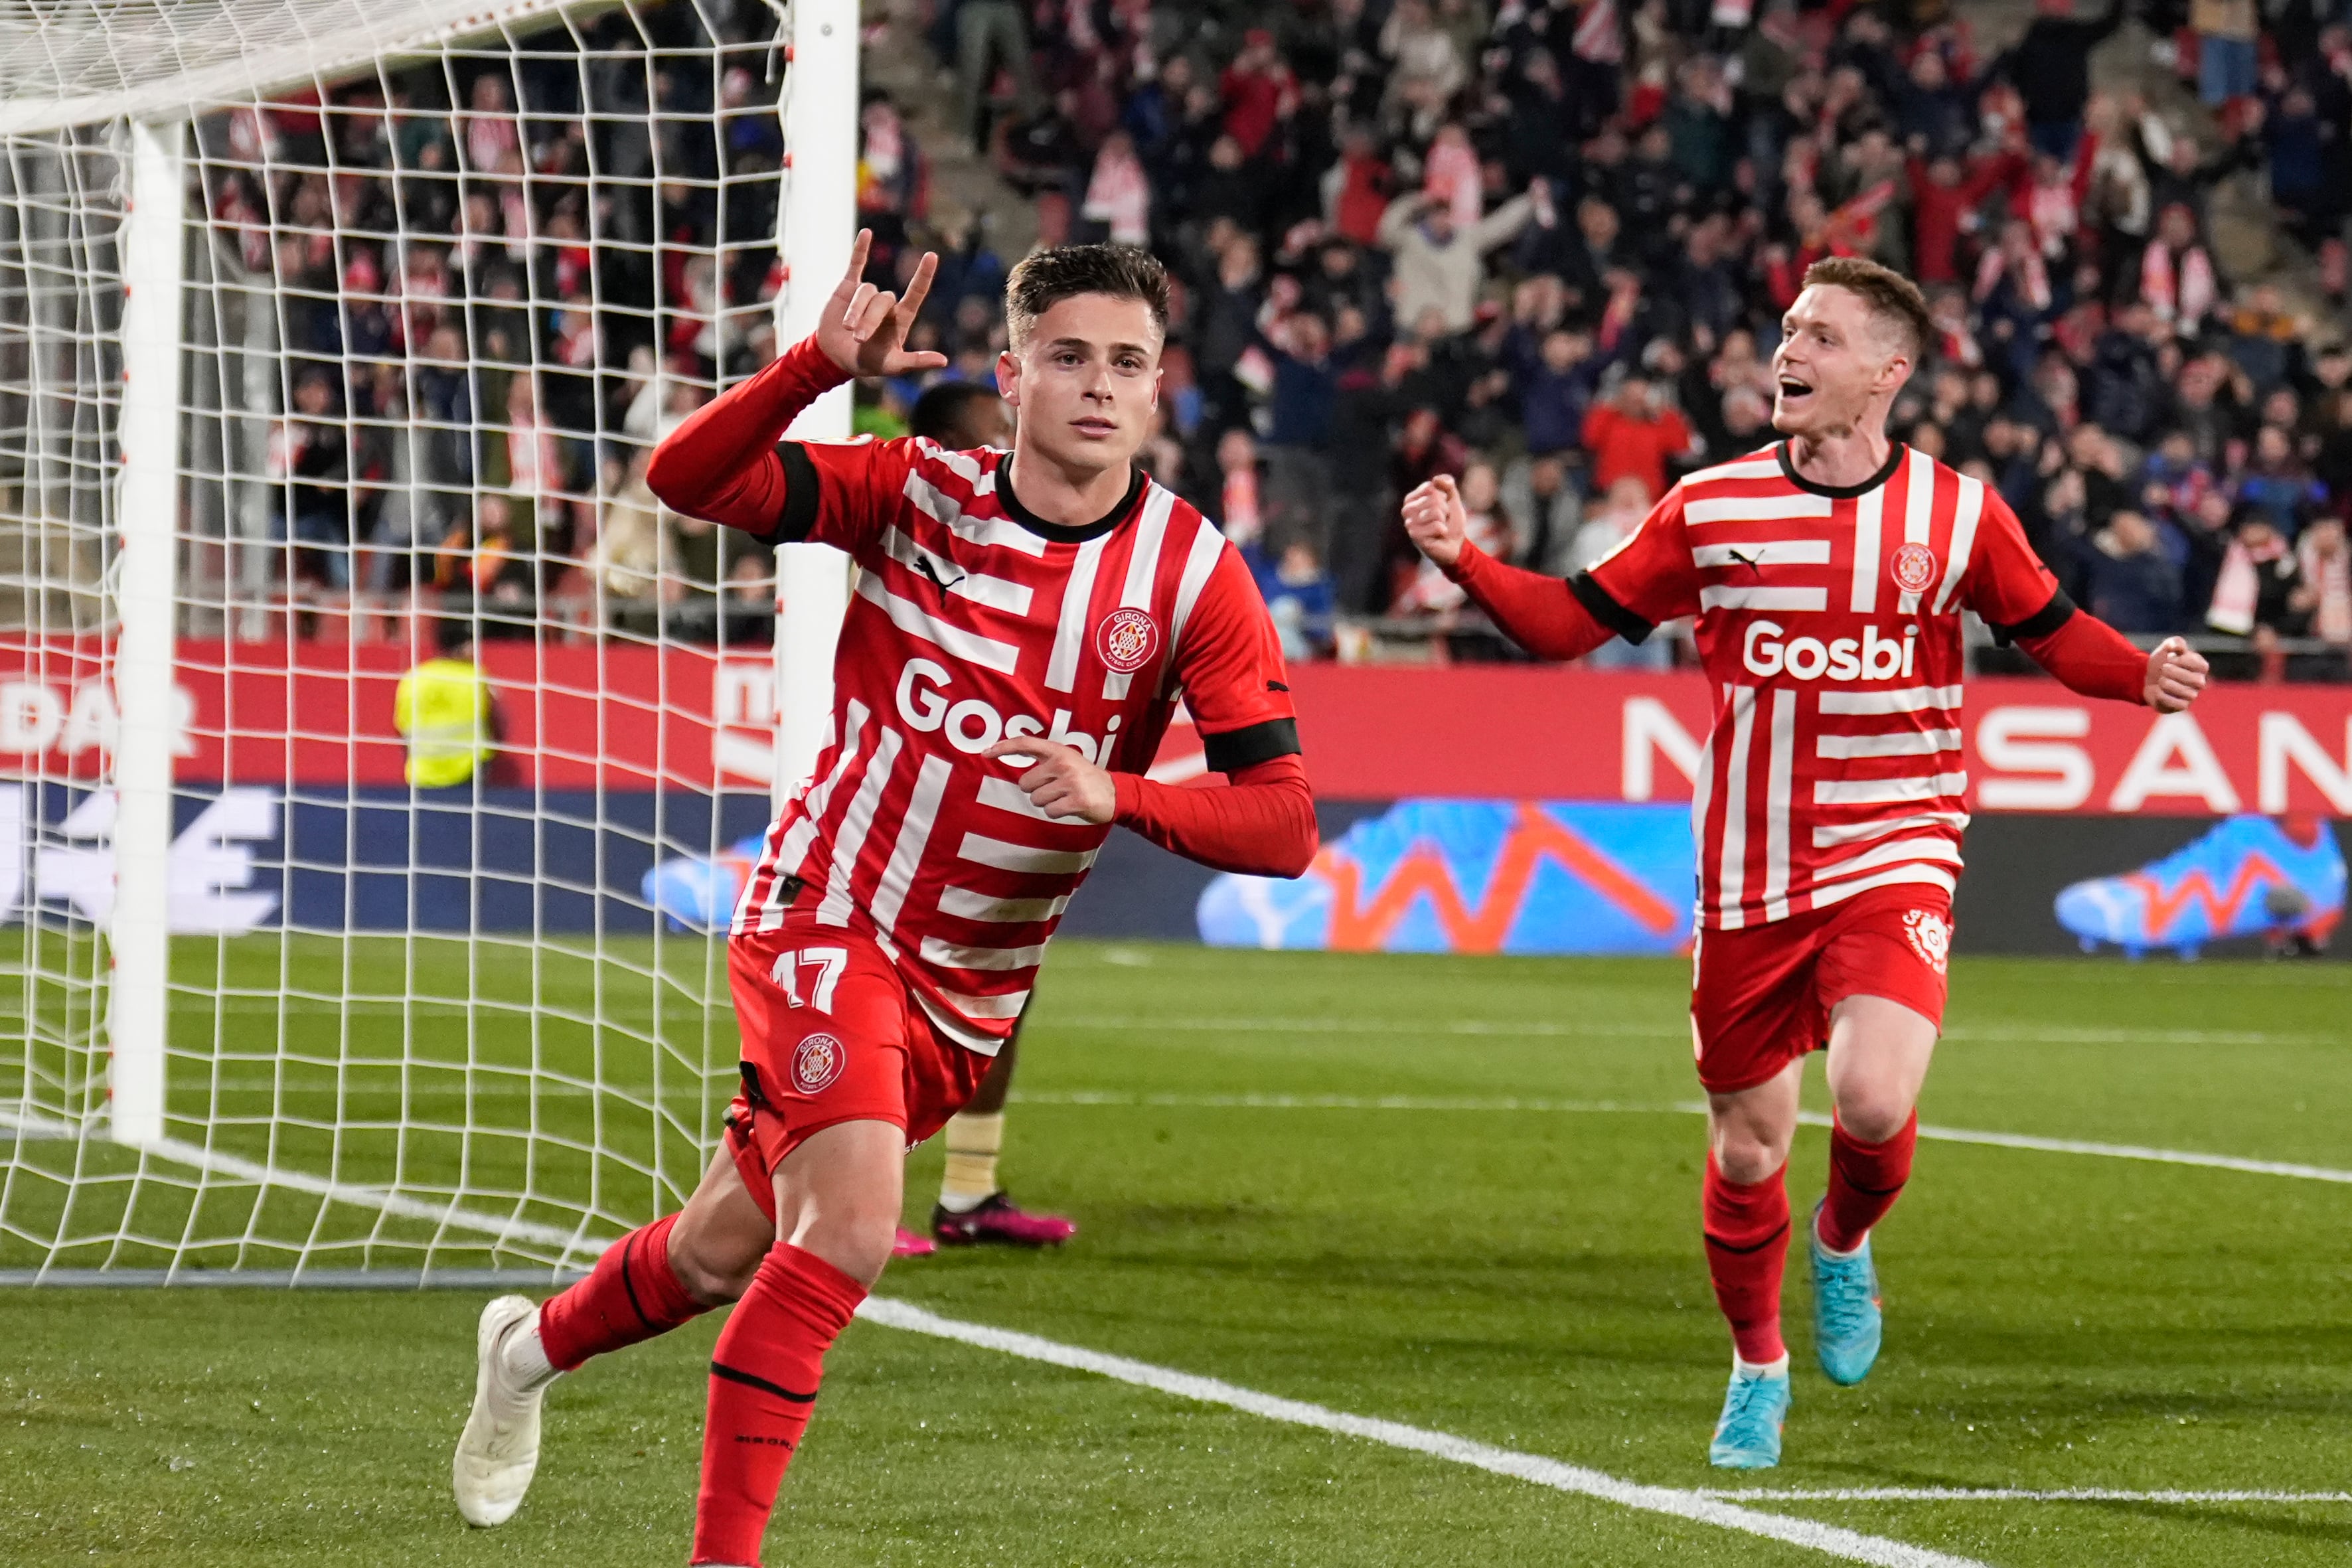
(1747, 1433)
(1847, 1323)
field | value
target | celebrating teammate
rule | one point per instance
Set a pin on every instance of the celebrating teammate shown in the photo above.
(1022, 626)
(1828, 573)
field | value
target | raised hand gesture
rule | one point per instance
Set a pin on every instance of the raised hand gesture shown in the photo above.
(864, 328)
(2176, 674)
(1436, 519)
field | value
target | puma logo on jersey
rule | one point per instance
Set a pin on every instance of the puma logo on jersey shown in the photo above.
(930, 567)
(1872, 657)
(1754, 563)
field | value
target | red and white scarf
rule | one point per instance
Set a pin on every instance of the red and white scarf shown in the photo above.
(2331, 618)
(2181, 291)
(1120, 195)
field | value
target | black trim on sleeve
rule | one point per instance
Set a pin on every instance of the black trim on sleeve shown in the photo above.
(1250, 745)
(1608, 611)
(2041, 623)
(802, 490)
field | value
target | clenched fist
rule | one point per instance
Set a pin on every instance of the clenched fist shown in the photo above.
(1436, 521)
(2176, 674)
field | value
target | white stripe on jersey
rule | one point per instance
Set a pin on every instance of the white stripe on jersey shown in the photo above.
(1006, 795)
(1733, 875)
(1964, 538)
(955, 462)
(915, 621)
(795, 843)
(996, 593)
(941, 508)
(1702, 794)
(1889, 854)
(1142, 572)
(1907, 699)
(1763, 465)
(1764, 553)
(1763, 598)
(982, 850)
(1918, 514)
(1887, 792)
(849, 842)
(1070, 631)
(914, 837)
(967, 905)
(1868, 563)
(1902, 744)
(1855, 832)
(1777, 789)
(1753, 508)
(1915, 872)
(1208, 544)
(1007, 1005)
(960, 1030)
(956, 956)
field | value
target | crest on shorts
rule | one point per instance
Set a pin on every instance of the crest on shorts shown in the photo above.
(1127, 639)
(1914, 568)
(816, 1062)
(1930, 936)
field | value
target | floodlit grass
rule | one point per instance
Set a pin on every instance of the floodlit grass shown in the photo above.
(1507, 1250)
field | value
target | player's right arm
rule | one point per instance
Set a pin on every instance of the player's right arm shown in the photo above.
(1645, 580)
(728, 463)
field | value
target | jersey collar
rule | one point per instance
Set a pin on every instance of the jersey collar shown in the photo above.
(1068, 532)
(1894, 450)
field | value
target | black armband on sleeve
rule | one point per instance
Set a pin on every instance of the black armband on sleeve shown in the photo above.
(2041, 623)
(1608, 611)
(801, 495)
(1250, 745)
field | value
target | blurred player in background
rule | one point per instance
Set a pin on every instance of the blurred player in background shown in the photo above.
(1828, 573)
(963, 417)
(1022, 628)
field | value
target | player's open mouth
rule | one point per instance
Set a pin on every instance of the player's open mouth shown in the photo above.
(1793, 390)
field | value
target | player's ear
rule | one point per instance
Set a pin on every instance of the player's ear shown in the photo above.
(1008, 378)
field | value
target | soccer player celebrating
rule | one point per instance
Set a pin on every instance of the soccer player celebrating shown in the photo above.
(972, 1210)
(1022, 628)
(1828, 573)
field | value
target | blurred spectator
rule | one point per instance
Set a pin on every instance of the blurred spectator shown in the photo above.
(2133, 587)
(1634, 434)
(2259, 581)
(2051, 66)
(1441, 266)
(991, 36)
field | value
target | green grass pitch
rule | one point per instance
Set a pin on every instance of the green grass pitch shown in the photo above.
(1528, 1277)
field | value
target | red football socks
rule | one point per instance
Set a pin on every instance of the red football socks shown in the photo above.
(1746, 1228)
(1864, 1181)
(763, 1380)
(631, 1296)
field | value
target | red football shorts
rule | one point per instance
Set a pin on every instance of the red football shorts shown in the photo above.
(832, 1034)
(1761, 996)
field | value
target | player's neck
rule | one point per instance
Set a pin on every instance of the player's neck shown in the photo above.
(1840, 459)
(1065, 497)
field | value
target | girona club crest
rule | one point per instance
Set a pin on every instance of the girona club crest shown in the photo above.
(1127, 639)
(1930, 936)
(816, 1062)
(1914, 568)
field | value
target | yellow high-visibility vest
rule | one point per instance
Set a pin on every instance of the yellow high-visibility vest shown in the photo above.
(443, 706)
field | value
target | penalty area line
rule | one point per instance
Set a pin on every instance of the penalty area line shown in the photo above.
(1501, 1103)
(1698, 1507)
(2004, 1494)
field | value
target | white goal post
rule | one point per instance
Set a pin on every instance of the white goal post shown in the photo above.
(333, 336)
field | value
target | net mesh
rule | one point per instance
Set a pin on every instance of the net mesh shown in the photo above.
(439, 1002)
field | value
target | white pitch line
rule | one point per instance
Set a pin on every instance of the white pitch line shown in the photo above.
(1828, 1538)
(1543, 1028)
(1681, 1107)
(2003, 1494)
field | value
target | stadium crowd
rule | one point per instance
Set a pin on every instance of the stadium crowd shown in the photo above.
(1543, 247)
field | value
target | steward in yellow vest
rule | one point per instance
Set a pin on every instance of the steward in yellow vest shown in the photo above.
(444, 708)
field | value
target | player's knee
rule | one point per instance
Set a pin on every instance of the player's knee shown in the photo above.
(856, 1240)
(1745, 1157)
(1872, 1113)
(714, 1281)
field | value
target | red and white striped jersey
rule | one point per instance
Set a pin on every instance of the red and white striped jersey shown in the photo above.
(1829, 626)
(973, 621)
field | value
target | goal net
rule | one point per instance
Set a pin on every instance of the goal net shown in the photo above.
(334, 337)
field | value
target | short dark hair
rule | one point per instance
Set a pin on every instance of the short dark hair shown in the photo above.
(1890, 296)
(1047, 277)
(940, 414)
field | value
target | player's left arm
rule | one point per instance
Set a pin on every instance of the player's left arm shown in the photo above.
(2008, 585)
(1229, 664)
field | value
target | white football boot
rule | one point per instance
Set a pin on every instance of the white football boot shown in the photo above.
(498, 1449)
